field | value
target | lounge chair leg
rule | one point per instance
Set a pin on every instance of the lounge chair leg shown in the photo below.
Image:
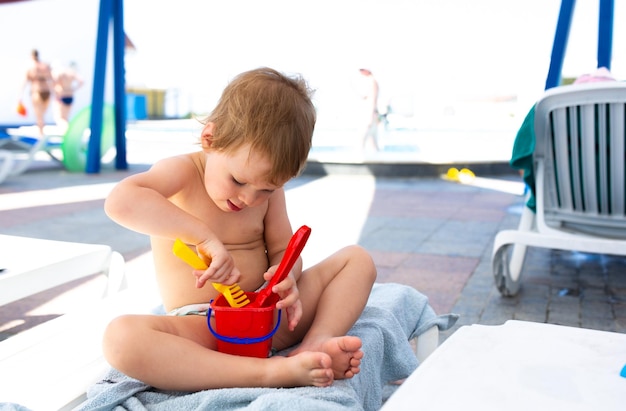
(6, 164)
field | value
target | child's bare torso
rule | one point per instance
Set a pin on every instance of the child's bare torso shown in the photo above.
(242, 233)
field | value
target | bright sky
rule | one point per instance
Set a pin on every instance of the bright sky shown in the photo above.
(432, 49)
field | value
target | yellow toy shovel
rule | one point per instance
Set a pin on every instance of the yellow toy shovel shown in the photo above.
(235, 296)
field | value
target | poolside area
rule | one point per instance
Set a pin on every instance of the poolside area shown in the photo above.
(407, 147)
(422, 230)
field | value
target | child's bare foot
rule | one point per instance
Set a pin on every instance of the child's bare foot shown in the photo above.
(345, 353)
(305, 369)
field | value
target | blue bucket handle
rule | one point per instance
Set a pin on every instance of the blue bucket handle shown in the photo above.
(238, 340)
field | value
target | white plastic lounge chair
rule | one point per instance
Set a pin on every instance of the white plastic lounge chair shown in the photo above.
(578, 162)
(18, 146)
(17, 151)
(56, 263)
(61, 357)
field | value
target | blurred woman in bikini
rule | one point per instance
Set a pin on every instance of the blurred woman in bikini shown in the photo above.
(39, 75)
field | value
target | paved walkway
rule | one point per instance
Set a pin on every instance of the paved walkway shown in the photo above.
(430, 233)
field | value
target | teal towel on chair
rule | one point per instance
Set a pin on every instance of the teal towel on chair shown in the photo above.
(522, 157)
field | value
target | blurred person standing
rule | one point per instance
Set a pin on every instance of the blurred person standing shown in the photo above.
(66, 82)
(368, 117)
(39, 76)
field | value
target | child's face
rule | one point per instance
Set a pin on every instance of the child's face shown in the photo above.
(236, 181)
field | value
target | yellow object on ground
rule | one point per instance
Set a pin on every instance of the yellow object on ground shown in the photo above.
(465, 175)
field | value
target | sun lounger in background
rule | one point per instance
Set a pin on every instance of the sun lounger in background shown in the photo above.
(19, 146)
(579, 179)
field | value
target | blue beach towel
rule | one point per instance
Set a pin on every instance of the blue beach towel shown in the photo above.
(394, 314)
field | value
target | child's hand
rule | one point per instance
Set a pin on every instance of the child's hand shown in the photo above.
(290, 297)
(221, 267)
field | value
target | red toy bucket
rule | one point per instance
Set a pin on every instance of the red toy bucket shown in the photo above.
(243, 331)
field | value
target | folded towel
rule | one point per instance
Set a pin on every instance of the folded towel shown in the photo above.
(394, 314)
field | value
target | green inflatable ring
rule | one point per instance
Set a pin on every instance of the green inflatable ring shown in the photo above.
(76, 138)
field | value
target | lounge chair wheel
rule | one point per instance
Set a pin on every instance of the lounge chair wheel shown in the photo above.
(507, 280)
(76, 139)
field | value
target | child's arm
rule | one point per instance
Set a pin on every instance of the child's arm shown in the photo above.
(278, 232)
(142, 203)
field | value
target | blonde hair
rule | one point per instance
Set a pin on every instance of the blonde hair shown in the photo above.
(271, 112)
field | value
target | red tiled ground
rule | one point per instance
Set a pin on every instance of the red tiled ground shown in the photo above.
(440, 278)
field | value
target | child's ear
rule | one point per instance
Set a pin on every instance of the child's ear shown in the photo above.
(206, 138)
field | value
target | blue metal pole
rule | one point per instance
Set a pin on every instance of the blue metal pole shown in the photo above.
(97, 98)
(605, 33)
(120, 88)
(560, 43)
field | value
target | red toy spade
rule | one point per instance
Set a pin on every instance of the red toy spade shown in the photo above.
(294, 248)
